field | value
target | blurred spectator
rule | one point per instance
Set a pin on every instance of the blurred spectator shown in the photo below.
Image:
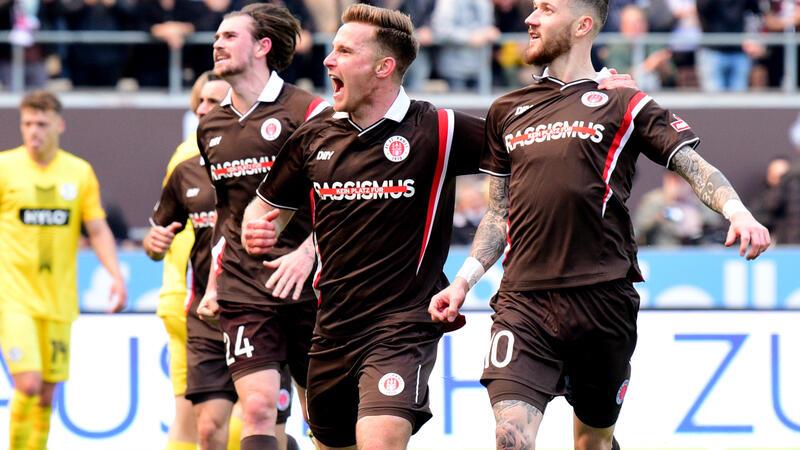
(763, 206)
(465, 29)
(22, 18)
(168, 21)
(781, 15)
(421, 13)
(97, 64)
(782, 204)
(509, 17)
(672, 215)
(725, 67)
(684, 41)
(655, 65)
(615, 8)
(470, 207)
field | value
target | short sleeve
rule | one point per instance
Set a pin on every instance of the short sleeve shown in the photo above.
(467, 143)
(91, 207)
(169, 207)
(661, 132)
(495, 159)
(286, 186)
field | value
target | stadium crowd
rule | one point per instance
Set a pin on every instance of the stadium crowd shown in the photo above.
(448, 31)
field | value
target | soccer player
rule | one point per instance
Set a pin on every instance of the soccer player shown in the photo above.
(562, 157)
(188, 195)
(239, 141)
(45, 196)
(172, 296)
(381, 172)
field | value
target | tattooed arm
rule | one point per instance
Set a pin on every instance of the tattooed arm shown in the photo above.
(713, 189)
(488, 245)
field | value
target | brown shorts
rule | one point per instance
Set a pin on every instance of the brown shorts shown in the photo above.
(208, 377)
(575, 342)
(260, 337)
(381, 373)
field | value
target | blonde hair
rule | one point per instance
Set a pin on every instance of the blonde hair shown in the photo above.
(395, 32)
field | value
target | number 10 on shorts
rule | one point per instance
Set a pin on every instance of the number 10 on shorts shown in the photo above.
(492, 356)
(242, 347)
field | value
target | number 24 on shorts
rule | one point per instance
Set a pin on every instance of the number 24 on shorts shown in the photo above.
(242, 346)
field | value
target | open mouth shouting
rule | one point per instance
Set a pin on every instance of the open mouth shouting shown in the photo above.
(338, 86)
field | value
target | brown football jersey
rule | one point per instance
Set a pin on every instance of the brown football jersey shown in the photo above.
(570, 151)
(187, 194)
(239, 149)
(382, 200)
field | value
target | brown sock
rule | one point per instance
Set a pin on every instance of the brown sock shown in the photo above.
(259, 442)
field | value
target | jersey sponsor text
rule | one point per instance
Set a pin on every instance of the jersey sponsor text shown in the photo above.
(242, 167)
(365, 190)
(44, 217)
(554, 131)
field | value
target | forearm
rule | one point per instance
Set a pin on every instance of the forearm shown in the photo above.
(102, 241)
(490, 237)
(708, 183)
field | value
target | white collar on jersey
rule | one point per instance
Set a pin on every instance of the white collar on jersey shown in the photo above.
(396, 112)
(599, 76)
(268, 94)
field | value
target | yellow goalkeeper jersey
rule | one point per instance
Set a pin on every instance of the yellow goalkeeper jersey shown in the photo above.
(41, 210)
(172, 296)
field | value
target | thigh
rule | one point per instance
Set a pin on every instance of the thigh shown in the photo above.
(598, 367)
(20, 338)
(299, 328)
(394, 372)
(207, 376)
(525, 349)
(176, 345)
(253, 336)
(332, 394)
(55, 350)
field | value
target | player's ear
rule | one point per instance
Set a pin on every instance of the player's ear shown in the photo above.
(584, 26)
(61, 125)
(263, 46)
(385, 67)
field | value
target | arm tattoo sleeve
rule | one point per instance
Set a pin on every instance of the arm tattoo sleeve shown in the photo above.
(710, 185)
(490, 238)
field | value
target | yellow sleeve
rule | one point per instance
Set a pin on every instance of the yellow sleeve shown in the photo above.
(91, 208)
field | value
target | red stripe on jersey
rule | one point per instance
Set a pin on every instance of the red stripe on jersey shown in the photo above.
(445, 133)
(617, 143)
(312, 107)
(317, 275)
(364, 190)
(241, 167)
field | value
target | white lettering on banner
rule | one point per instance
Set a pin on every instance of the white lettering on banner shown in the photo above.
(697, 363)
(365, 190)
(242, 167)
(554, 131)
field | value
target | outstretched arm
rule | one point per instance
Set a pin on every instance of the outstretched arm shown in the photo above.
(487, 247)
(713, 189)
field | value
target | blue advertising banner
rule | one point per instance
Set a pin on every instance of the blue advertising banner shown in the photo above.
(703, 278)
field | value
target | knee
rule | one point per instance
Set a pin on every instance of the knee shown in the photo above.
(599, 440)
(508, 436)
(30, 385)
(259, 407)
(210, 430)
